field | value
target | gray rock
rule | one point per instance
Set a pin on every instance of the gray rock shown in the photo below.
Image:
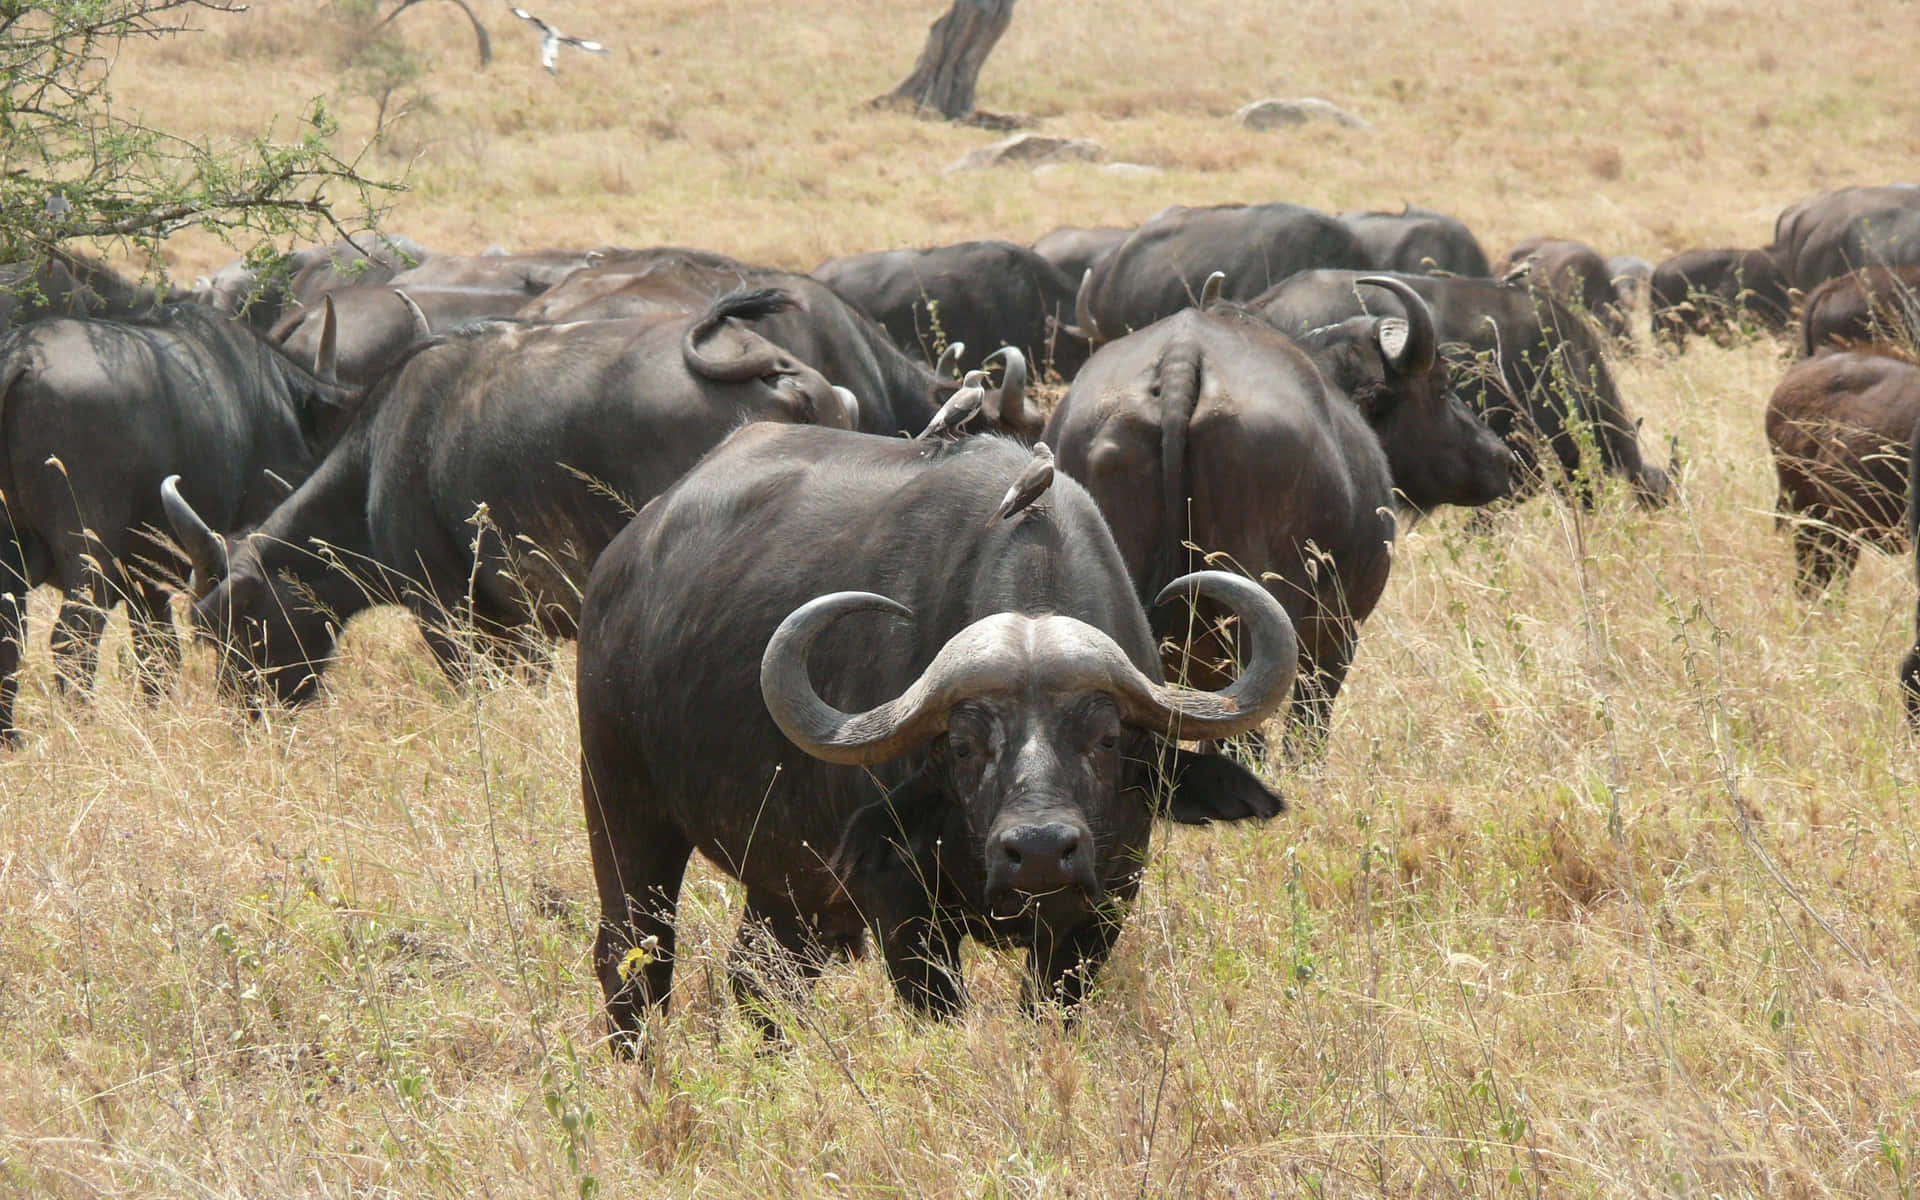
(1280, 114)
(1027, 149)
(1125, 170)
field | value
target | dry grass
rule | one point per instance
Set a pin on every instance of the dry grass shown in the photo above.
(1607, 885)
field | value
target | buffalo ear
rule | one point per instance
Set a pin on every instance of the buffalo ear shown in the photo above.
(1203, 788)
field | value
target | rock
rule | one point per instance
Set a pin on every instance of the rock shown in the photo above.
(1028, 149)
(1125, 170)
(1278, 114)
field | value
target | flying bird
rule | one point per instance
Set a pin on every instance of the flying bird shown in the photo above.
(1034, 480)
(959, 408)
(552, 39)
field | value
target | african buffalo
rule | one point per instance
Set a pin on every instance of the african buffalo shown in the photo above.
(1839, 427)
(93, 415)
(1522, 358)
(638, 283)
(377, 323)
(304, 276)
(1845, 230)
(1077, 249)
(956, 726)
(1573, 272)
(530, 273)
(984, 295)
(1879, 306)
(66, 284)
(897, 394)
(1212, 429)
(1712, 292)
(535, 441)
(1418, 241)
(1159, 269)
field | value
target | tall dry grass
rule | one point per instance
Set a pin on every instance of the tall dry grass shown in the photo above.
(1606, 885)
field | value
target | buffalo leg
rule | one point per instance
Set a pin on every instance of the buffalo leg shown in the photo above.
(774, 960)
(77, 631)
(1823, 555)
(1314, 691)
(452, 647)
(638, 866)
(13, 643)
(1910, 668)
(923, 960)
(156, 648)
(1061, 968)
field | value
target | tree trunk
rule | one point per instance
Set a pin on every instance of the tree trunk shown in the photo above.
(957, 47)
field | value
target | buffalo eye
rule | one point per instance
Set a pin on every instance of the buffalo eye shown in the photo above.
(1102, 725)
(968, 738)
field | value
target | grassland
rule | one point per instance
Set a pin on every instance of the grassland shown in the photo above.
(1607, 884)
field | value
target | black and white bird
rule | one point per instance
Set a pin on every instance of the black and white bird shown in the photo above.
(552, 39)
(1031, 484)
(960, 408)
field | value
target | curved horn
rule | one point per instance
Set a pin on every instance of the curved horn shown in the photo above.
(326, 359)
(758, 362)
(1012, 397)
(1271, 648)
(206, 550)
(1423, 341)
(1083, 310)
(1005, 649)
(949, 362)
(1210, 290)
(422, 329)
(849, 409)
(810, 722)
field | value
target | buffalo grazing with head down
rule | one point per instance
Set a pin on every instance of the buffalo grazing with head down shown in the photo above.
(1573, 272)
(533, 443)
(1861, 310)
(1714, 292)
(93, 416)
(1532, 367)
(818, 661)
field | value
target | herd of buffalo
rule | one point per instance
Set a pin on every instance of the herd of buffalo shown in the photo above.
(857, 619)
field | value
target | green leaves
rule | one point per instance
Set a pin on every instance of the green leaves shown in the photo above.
(120, 180)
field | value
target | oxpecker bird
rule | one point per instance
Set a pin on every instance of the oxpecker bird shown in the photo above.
(1034, 480)
(959, 408)
(552, 39)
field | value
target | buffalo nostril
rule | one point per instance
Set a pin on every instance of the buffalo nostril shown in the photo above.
(1040, 857)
